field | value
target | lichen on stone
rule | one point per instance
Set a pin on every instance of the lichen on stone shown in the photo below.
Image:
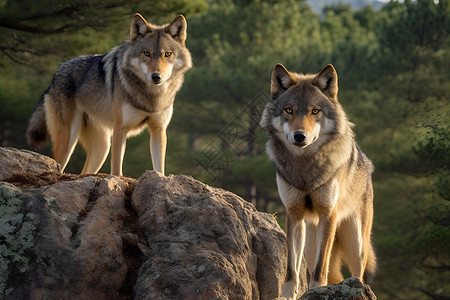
(16, 236)
(54, 207)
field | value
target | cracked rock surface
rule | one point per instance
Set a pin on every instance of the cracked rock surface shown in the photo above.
(205, 243)
(66, 236)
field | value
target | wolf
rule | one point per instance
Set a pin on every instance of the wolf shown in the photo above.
(323, 178)
(101, 100)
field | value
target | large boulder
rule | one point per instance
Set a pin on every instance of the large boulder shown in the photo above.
(205, 243)
(62, 240)
(14, 161)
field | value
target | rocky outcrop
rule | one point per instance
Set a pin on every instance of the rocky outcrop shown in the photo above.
(106, 237)
(14, 161)
(350, 289)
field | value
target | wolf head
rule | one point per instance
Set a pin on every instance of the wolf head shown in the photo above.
(158, 52)
(304, 109)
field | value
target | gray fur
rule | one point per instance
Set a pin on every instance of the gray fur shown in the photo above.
(324, 181)
(97, 87)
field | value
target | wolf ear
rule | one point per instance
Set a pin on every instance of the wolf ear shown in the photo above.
(281, 81)
(178, 29)
(327, 82)
(139, 27)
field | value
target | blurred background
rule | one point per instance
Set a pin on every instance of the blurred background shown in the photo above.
(393, 63)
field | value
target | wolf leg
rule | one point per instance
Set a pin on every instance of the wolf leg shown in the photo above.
(325, 237)
(352, 243)
(357, 248)
(117, 150)
(310, 246)
(97, 142)
(158, 142)
(295, 232)
(64, 138)
(334, 272)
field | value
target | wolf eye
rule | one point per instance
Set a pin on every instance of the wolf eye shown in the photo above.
(315, 111)
(168, 54)
(289, 110)
(146, 53)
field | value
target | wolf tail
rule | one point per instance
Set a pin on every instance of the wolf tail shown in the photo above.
(371, 267)
(37, 133)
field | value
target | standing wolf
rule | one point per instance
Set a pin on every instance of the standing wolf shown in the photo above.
(323, 178)
(97, 99)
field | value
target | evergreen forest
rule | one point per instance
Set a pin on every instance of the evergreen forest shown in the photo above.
(393, 65)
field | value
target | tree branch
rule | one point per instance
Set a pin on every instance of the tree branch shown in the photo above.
(10, 24)
(430, 294)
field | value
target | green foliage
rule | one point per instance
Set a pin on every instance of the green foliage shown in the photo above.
(433, 146)
(32, 29)
(412, 37)
(412, 238)
(16, 236)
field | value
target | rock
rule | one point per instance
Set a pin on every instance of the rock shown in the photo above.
(350, 289)
(106, 237)
(205, 243)
(63, 240)
(23, 161)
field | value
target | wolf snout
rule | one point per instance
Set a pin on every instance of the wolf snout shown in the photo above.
(299, 136)
(156, 78)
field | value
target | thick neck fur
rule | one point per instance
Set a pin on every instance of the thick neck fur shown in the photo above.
(307, 169)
